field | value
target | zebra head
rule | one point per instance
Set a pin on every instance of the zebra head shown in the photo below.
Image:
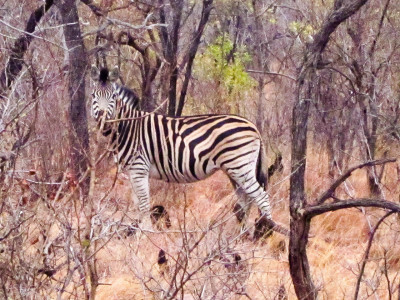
(104, 93)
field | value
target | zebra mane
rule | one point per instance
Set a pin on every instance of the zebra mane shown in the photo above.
(129, 96)
(103, 77)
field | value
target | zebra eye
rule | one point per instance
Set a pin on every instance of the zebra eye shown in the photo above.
(93, 95)
(114, 96)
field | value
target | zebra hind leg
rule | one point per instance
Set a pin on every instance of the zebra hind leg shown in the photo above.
(241, 208)
(251, 191)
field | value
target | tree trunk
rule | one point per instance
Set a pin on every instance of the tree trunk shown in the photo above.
(169, 41)
(78, 137)
(300, 224)
(261, 59)
(205, 14)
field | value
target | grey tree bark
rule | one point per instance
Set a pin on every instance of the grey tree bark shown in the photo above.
(78, 137)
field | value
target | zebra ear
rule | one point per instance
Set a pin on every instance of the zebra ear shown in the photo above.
(114, 74)
(94, 73)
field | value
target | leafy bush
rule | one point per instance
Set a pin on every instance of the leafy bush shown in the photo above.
(224, 65)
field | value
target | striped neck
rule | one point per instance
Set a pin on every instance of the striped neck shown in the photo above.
(127, 96)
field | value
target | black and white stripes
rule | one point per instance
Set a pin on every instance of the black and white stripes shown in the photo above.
(184, 149)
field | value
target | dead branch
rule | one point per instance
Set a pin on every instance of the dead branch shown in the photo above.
(276, 227)
(371, 51)
(15, 62)
(331, 190)
(271, 73)
(312, 211)
(15, 227)
(366, 255)
(95, 9)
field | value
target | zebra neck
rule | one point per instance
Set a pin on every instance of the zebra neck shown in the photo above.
(127, 96)
(125, 141)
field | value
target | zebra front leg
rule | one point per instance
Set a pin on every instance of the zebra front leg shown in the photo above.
(263, 225)
(140, 186)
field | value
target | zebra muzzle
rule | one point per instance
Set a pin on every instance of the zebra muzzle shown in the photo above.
(101, 113)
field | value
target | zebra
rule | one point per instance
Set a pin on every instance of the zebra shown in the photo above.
(180, 149)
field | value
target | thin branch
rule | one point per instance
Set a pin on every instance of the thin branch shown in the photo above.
(130, 41)
(366, 255)
(385, 8)
(277, 227)
(144, 25)
(98, 11)
(138, 118)
(15, 227)
(99, 29)
(95, 9)
(272, 73)
(331, 190)
(315, 210)
(346, 77)
(15, 62)
(385, 270)
(41, 182)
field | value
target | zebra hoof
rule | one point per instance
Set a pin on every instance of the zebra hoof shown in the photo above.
(263, 229)
(239, 213)
(160, 217)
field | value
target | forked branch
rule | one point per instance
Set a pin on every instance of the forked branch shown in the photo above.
(331, 190)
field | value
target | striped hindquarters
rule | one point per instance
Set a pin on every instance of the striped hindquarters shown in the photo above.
(188, 149)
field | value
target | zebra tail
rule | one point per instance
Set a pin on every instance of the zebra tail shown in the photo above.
(262, 167)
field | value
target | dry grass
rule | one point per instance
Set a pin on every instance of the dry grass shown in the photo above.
(336, 246)
(221, 264)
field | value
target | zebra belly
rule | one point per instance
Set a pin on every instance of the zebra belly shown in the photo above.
(178, 177)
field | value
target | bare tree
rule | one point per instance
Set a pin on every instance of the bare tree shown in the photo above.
(79, 138)
(164, 50)
(300, 210)
(299, 225)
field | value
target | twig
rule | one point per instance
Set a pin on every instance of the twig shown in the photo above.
(36, 36)
(144, 25)
(138, 118)
(272, 73)
(15, 227)
(41, 182)
(366, 255)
